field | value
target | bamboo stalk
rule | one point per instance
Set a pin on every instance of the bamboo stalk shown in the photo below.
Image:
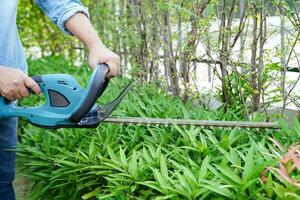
(188, 122)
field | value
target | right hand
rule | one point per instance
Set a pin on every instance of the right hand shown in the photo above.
(14, 84)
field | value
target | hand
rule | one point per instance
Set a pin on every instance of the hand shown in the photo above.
(14, 84)
(99, 54)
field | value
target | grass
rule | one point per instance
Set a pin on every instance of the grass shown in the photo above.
(149, 162)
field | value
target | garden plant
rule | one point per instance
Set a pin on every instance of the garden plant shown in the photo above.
(150, 162)
(247, 54)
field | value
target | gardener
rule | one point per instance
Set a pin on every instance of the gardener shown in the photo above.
(73, 19)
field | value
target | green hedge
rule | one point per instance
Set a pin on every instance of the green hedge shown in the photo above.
(149, 162)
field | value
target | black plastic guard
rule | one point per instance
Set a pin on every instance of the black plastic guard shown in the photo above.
(99, 84)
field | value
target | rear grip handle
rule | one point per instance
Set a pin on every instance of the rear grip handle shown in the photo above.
(37, 79)
(97, 87)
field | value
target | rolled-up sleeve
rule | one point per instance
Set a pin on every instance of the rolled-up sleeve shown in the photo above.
(60, 11)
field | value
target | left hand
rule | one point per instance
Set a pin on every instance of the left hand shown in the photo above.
(100, 54)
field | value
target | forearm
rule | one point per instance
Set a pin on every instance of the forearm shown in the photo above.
(80, 26)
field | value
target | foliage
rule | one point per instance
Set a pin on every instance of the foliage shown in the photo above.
(39, 36)
(149, 162)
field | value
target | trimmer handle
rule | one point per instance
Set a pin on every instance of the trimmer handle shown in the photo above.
(35, 78)
(94, 90)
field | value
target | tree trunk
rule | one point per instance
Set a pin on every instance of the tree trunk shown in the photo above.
(170, 59)
(253, 67)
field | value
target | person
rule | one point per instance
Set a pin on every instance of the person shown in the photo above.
(73, 19)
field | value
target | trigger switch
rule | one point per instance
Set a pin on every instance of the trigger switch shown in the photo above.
(6, 101)
(30, 91)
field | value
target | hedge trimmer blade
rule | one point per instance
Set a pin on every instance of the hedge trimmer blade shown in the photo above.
(189, 122)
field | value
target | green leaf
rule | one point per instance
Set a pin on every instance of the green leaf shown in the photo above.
(112, 155)
(123, 157)
(92, 149)
(184, 183)
(91, 194)
(204, 167)
(219, 189)
(249, 166)
(133, 167)
(190, 177)
(226, 171)
(160, 179)
(163, 167)
(152, 184)
(269, 186)
(146, 156)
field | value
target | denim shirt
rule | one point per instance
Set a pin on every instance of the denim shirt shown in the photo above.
(11, 50)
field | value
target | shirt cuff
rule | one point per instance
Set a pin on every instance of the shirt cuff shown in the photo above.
(68, 14)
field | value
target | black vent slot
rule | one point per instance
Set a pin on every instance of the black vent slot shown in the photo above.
(57, 99)
(62, 82)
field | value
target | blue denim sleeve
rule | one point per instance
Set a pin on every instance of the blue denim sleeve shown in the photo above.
(59, 11)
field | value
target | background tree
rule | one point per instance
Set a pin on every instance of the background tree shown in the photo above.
(167, 42)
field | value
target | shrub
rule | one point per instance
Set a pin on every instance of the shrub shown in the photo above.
(149, 162)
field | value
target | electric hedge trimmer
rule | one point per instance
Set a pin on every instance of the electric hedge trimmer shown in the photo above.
(68, 105)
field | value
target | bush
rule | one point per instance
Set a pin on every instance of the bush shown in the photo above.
(149, 162)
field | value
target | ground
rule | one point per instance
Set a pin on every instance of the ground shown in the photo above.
(21, 185)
